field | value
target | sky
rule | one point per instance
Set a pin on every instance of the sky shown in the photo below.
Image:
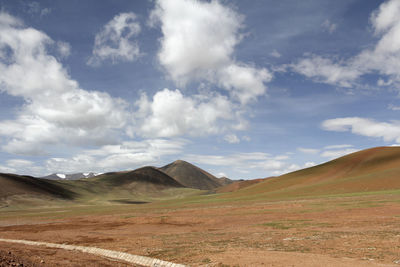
(243, 89)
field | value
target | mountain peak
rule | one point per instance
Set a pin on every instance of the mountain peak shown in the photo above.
(191, 176)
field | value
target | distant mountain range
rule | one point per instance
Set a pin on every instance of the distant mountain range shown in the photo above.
(369, 170)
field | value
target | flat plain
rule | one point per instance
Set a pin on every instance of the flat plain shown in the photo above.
(345, 212)
(213, 230)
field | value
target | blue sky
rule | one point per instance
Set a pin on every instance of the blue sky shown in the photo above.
(242, 89)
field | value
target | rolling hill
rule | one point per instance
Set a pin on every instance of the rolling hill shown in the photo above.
(374, 169)
(237, 185)
(142, 179)
(18, 189)
(191, 176)
(141, 185)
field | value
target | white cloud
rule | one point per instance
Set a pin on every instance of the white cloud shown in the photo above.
(308, 150)
(337, 146)
(245, 162)
(309, 164)
(325, 70)
(23, 167)
(128, 155)
(382, 59)
(244, 82)
(115, 42)
(328, 26)
(221, 174)
(389, 131)
(332, 154)
(56, 109)
(232, 139)
(5, 169)
(193, 48)
(170, 113)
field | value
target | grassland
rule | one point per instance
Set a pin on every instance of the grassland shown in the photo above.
(342, 213)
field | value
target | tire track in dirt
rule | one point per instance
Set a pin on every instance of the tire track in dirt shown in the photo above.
(112, 254)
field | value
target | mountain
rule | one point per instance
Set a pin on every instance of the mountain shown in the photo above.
(74, 176)
(374, 169)
(138, 186)
(16, 188)
(148, 177)
(191, 176)
(225, 181)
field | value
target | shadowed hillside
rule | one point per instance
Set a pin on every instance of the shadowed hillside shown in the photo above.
(143, 177)
(12, 184)
(192, 176)
(142, 185)
(372, 169)
(15, 188)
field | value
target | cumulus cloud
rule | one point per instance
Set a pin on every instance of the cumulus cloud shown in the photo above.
(388, 131)
(325, 70)
(169, 113)
(56, 109)
(127, 155)
(114, 42)
(382, 59)
(198, 42)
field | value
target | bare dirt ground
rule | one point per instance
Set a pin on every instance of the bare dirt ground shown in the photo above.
(342, 231)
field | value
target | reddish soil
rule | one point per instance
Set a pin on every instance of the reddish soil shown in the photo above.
(34, 256)
(238, 185)
(351, 231)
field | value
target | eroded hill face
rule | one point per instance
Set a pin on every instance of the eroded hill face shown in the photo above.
(192, 176)
(369, 170)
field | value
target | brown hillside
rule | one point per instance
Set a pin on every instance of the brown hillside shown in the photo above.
(142, 179)
(372, 169)
(12, 184)
(223, 181)
(235, 186)
(191, 176)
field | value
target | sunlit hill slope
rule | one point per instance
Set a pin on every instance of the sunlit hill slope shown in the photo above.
(374, 169)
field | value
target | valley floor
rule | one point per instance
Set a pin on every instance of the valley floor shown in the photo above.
(330, 231)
